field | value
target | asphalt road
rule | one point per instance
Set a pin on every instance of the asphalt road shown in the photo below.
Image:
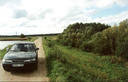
(28, 76)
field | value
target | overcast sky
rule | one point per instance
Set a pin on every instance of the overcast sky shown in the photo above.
(52, 16)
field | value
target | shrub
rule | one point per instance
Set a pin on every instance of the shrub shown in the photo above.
(86, 46)
(22, 36)
(77, 33)
(45, 37)
(50, 43)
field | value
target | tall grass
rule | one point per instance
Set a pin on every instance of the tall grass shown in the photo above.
(74, 65)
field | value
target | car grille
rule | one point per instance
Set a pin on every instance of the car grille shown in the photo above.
(18, 61)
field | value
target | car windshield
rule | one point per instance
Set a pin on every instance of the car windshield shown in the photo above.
(23, 47)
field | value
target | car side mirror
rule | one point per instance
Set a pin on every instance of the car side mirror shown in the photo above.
(37, 48)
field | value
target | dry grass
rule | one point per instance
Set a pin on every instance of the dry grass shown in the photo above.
(12, 39)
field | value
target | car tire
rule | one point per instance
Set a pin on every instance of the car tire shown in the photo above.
(6, 69)
(36, 66)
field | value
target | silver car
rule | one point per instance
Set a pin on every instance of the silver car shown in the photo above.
(21, 55)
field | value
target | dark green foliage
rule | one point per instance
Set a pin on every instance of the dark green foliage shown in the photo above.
(76, 34)
(122, 49)
(105, 42)
(22, 36)
(113, 40)
(45, 37)
(87, 46)
(122, 42)
(97, 38)
(50, 43)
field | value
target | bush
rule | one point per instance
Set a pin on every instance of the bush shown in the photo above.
(50, 43)
(45, 37)
(78, 33)
(86, 46)
(22, 36)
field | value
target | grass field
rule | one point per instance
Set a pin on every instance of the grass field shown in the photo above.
(18, 38)
(32, 38)
(2, 53)
(69, 64)
(11, 38)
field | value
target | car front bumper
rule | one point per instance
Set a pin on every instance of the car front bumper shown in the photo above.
(10, 67)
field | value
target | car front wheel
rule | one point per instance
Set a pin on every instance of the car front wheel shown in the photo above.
(6, 69)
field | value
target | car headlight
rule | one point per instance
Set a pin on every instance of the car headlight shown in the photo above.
(33, 59)
(30, 60)
(7, 60)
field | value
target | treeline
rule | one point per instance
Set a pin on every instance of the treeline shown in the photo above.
(28, 35)
(97, 38)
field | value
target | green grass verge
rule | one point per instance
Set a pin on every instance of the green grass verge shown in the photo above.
(73, 65)
(32, 38)
(2, 53)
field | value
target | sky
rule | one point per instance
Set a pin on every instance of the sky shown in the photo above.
(53, 16)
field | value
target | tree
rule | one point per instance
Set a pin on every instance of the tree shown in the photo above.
(122, 42)
(77, 33)
(22, 35)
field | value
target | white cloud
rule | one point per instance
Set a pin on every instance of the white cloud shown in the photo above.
(122, 2)
(111, 20)
(20, 13)
(51, 16)
(107, 3)
(104, 3)
(5, 13)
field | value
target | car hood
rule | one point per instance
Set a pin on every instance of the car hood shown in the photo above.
(20, 55)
